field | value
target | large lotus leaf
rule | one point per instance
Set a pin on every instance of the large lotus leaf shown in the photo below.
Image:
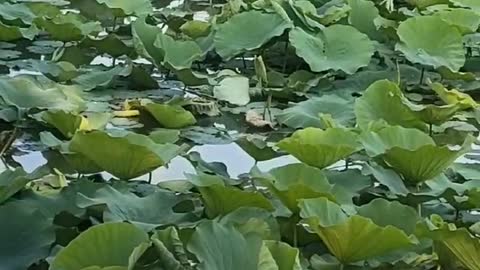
(11, 33)
(337, 47)
(37, 235)
(137, 7)
(171, 116)
(254, 220)
(383, 100)
(68, 27)
(111, 44)
(233, 88)
(68, 123)
(16, 13)
(465, 20)
(177, 53)
(144, 36)
(463, 245)
(433, 114)
(104, 245)
(227, 248)
(444, 49)
(221, 200)
(473, 4)
(101, 78)
(411, 152)
(320, 148)
(454, 97)
(285, 256)
(26, 93)
(232, 37)
(354, 238)
(141, 211)
(384, 213)
(126, 155)
(12, 181)
(362, 16)
(293, 182)
(307, 113)
(170, 249)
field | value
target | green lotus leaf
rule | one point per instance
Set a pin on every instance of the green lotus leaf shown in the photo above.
(411, 152)
(221, 200)
(383, 100)
(125, 155)
(475, 5)
(176, 53)
(196, 29)
(463, 245)
(101, 78)
(257, 148)
(144, 36)
(38, 234)
(284, 256)
(141, 211)
(294, 182)
(384, 213)
(433, 114)
(231, 38)
(24, 93)
(426, 3)
(11, 33)
(337, 47)
(444, 49)
(12, 181)
(68, 27)
(111, 44)
(138, 7)
(58, 71)
(105, 245)
(254, 220)
(170, 249)
(68, 123)
(16, 14)
(171, 116)
(351, 239)
(320, 148)
(223, 241)
(465, 20)
(454, 97)
(234, 89)
(362, 16)
(307, 113)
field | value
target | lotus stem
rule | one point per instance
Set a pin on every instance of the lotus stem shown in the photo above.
(347, 162)
(295, 235)
(422, 74)
(430, 129)
(342, 266)
(9, 141)
(150, 177)
(399, 77)
(114, 27)
(285, 58)
(244, 62)
(419, 206)
(114, 62)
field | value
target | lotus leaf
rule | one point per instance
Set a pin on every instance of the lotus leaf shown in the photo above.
(444, 49)
(454, 97)
(411, 152)
(126, 155)
(171, 116)
(11, 33)
(234, 89)
(321, 148)
(68, 27)
(362, 16)
(177, 54)
(105, 245)
(467, 3)
(231, 38)
(11, 182)
(383, 100)
(294, 182)
(144, 37)
(138, 7)
(224, 240)
(337, 47)
(68, 123)
(351, 239)
(465, 20)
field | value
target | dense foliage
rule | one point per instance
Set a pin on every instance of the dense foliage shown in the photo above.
(373, 99)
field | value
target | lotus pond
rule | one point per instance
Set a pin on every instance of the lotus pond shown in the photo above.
(239, 134)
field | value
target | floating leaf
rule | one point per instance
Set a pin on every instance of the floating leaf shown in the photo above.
(444, 49)
(337, 47)
(234, 89)
(320, 148)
